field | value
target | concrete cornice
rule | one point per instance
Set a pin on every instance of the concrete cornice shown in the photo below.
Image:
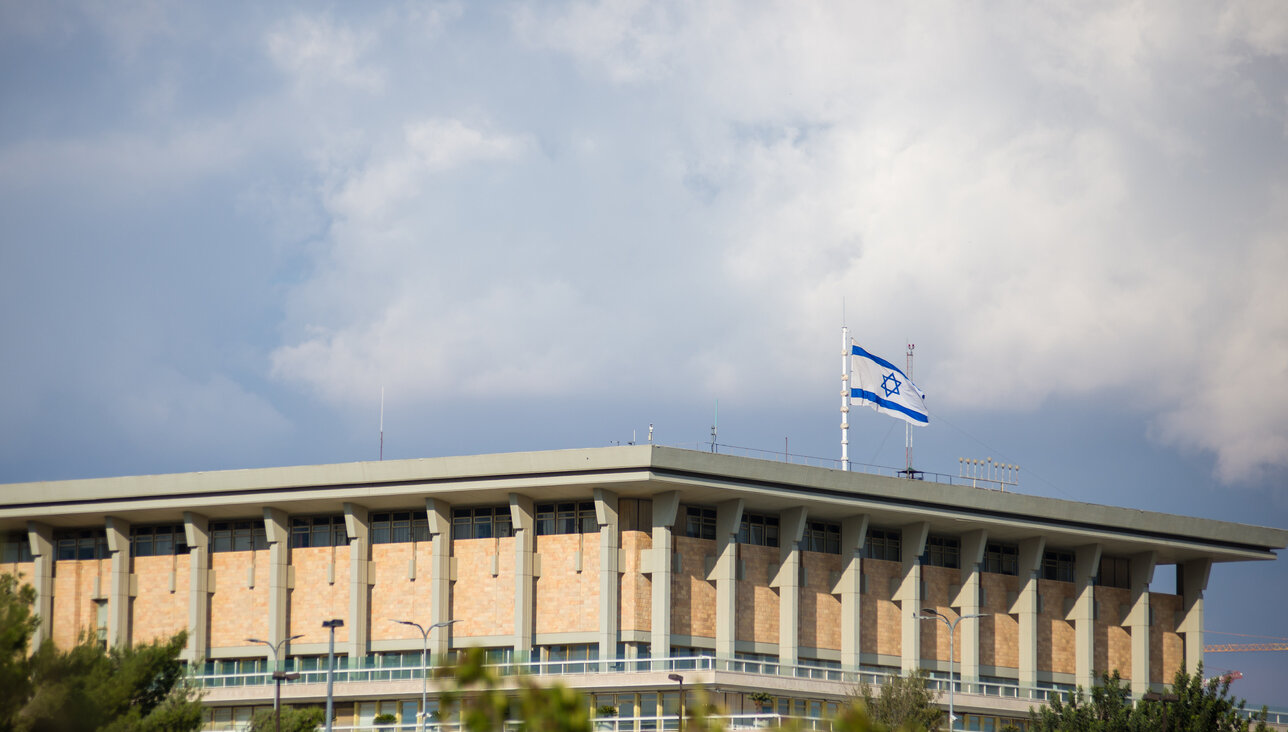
(634, 471)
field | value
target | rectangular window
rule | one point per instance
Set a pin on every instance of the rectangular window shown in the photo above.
(158, 541)
(81, 544)
(1001, 558)
(823, 537)
(943, 551)
(1057, 566)
(758, 530)
(883, 544)
(399, 527)
(485, 522)
(1115, 572)
(566, 518)
(699, 522)
(318, 531)
(237, 536)
(15, 547)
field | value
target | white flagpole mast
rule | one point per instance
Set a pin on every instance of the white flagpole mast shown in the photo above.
(907, 428)
(382, 423)
(845, 398)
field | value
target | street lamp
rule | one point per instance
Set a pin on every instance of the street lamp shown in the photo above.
(278, 676)
(330, 669)
(1155, 696)
(679, 680)
(932, 615)
(424, 662)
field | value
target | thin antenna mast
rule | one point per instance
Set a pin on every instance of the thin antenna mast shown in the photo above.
(845, 394)
(907, 428)
(715, 423)
(382, 423)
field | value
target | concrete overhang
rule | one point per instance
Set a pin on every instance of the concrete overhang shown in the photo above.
(636, 471)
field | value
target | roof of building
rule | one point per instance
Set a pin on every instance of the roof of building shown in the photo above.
(637, 471)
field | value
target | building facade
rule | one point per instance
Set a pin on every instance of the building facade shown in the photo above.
(615, 568)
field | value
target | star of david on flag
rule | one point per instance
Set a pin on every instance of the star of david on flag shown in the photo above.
(883, 386)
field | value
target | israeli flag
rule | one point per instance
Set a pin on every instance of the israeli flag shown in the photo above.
(876, 381)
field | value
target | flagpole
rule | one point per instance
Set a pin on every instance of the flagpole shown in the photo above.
(907, 428)
(845, 398)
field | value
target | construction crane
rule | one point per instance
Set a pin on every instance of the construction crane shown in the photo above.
(1225, 676)
(1240, 647)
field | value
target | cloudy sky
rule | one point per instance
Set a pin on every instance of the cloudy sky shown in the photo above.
(226, 228)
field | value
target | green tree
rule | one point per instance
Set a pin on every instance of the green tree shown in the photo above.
(86, 688)
(17, 624)
(903, 702)
(294, 719)
(1190, 705)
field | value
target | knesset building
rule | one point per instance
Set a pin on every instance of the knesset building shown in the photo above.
(613, 569)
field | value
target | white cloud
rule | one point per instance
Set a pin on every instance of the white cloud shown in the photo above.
(1034, 195)
(318, 51)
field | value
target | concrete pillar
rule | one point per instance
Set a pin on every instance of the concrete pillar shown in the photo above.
(854, 533)
(666, 507)
(913, 543)
(278, 532)
(357, 525)
(791, 529)
(1137, 620)
(1026, 608)
(523, 519)
(440, 573)
(196, 530)
(609, 543)
(1086, 567)
(41, 538)
(967, 603)
(1191, 582)
(118, 591)
(725, 575)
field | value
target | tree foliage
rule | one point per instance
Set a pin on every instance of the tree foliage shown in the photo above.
(85, 688)
(1196, 706)
(294, 719)
(904, 702)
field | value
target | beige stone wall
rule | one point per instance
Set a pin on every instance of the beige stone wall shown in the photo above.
(693, 598)
(939, 582)
(74, 608)
(238, 611)
(881, 622)
(484, 602)
(158, 612)
(1113, 641)
(567, 599)
(1166, 646)
(316, 597)
(999, 634)
(757, 614)
(396, 596)
(1055, 634)
(25, 571)
(820, 610)
(636, 598)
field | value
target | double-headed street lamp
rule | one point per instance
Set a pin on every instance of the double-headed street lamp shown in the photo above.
(424, 662)
(278, 676)
(932, 615)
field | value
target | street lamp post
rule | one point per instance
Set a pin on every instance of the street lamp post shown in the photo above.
(679, 680)
(330, 669)
(927, 614)
(424, 663)
(278, 676)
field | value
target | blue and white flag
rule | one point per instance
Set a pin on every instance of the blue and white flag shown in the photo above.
(876, 381)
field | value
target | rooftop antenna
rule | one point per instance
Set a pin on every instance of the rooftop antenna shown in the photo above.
(382, 423)
(715, 422)
(650, 432)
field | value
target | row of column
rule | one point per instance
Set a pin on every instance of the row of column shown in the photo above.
(1192, 580)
